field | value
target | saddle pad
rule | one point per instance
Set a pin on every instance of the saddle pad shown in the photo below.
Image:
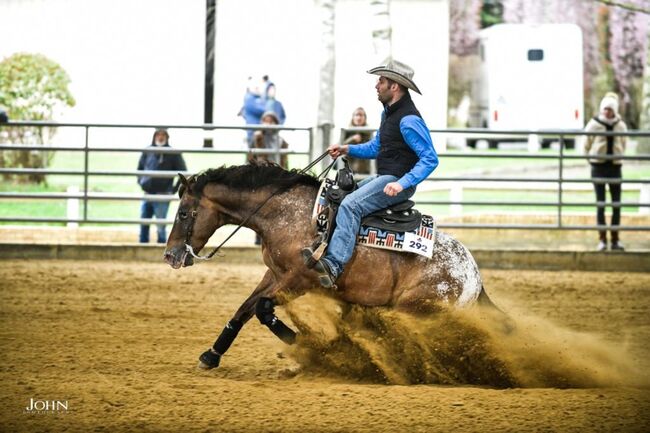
(419, 241)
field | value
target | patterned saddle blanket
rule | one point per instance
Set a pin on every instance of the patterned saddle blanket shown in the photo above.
(419, 241)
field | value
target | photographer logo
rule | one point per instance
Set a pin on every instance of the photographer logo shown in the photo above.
(35, 406)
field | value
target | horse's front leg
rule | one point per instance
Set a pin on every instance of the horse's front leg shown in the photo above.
(258, 303)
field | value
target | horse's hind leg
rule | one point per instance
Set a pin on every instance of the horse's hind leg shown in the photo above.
(211, 357)
(265, 312)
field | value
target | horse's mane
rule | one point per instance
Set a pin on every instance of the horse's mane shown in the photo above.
(252, 176)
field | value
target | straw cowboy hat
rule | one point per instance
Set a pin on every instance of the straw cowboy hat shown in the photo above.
(398, 72)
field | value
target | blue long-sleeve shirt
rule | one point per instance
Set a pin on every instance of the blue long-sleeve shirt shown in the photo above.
(417, 137)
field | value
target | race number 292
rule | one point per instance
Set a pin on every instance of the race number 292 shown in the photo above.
(418, 244)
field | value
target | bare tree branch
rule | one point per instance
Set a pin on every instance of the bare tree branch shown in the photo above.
(627, 6)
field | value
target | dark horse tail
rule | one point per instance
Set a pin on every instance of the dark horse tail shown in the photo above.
(504, 319)
(485, 301)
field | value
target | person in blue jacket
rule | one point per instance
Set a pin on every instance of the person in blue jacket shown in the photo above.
(259, 101)
(152, 161)
(405, 157)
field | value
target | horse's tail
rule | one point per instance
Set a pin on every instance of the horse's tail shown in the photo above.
(485, 301)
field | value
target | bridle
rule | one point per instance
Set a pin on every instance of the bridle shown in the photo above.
(194, 213)
(189, 231)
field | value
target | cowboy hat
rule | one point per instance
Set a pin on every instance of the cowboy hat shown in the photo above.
(398, 72)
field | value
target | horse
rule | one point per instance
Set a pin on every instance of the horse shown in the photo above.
(277, 204)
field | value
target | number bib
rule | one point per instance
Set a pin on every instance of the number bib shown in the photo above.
(418, 244)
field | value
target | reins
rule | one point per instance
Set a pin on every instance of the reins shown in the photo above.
(189, 248)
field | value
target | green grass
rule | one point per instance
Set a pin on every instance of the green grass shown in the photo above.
(127, 161)
(586, 197)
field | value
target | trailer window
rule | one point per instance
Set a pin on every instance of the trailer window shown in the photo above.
(535, 55)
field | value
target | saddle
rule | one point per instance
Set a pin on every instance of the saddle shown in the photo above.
(400, 217)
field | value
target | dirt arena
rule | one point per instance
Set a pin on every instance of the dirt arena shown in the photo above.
(119, 342)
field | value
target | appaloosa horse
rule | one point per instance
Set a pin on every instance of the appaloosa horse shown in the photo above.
(374, 277)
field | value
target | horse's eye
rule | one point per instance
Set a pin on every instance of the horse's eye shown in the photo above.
(182, 214)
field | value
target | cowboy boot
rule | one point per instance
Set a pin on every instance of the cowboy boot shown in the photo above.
(616, 244)
(602, 245)
(326, 277)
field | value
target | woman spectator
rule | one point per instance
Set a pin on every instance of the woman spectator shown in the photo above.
(359, 119)
(597, 146)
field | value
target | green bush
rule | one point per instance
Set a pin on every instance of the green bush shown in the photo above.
(32, 87)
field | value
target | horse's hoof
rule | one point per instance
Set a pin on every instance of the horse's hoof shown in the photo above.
(208, 360)
(202, 366)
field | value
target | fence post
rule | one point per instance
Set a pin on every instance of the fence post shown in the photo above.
(456, 194)
(644, 198)
(312, 152)
(86, 176)
(533, 143)
(325, 140)
(72, 209)
(559, 185)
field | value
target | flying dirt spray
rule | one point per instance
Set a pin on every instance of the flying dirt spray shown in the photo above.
(452, 347)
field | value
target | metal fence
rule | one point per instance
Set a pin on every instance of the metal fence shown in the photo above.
(558, 183)
(86, 195)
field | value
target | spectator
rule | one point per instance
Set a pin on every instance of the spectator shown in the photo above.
(359, 119)
(269, 139)
(4, 118)
(607, 119)
(258, 100)
(152, 161)
(272, 104)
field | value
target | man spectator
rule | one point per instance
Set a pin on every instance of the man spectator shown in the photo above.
(153, 161)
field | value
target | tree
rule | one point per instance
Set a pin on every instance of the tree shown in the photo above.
(627, 51)
(32, 87)
(327, 10)
(628, 6)
(464, 23)
(382, 32)
(644, 118)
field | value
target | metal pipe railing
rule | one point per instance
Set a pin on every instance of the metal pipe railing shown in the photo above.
(86, 173)
(560, 179)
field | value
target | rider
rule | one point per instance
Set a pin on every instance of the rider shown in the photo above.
(405, 157)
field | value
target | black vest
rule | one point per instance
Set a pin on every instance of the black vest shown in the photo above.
(395, 156)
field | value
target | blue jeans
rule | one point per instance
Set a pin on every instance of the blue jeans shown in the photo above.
(368, 198)
(148, 210)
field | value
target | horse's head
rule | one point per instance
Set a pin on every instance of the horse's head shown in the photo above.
(196, 220)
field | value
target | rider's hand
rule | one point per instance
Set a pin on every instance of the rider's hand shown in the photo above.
(336, 150)
(393, 188)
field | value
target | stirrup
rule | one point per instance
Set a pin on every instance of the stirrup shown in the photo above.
(324, 276)
(311, 257)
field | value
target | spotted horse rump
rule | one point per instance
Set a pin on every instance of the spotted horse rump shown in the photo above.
(419, 239)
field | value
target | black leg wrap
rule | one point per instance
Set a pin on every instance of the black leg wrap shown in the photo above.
(227, 336)
(264, 310)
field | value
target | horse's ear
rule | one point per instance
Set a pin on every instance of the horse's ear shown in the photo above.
(185, 184)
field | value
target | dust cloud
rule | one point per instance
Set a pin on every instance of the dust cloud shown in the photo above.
(475, 346)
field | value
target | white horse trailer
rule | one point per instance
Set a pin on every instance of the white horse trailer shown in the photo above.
(530, 78)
